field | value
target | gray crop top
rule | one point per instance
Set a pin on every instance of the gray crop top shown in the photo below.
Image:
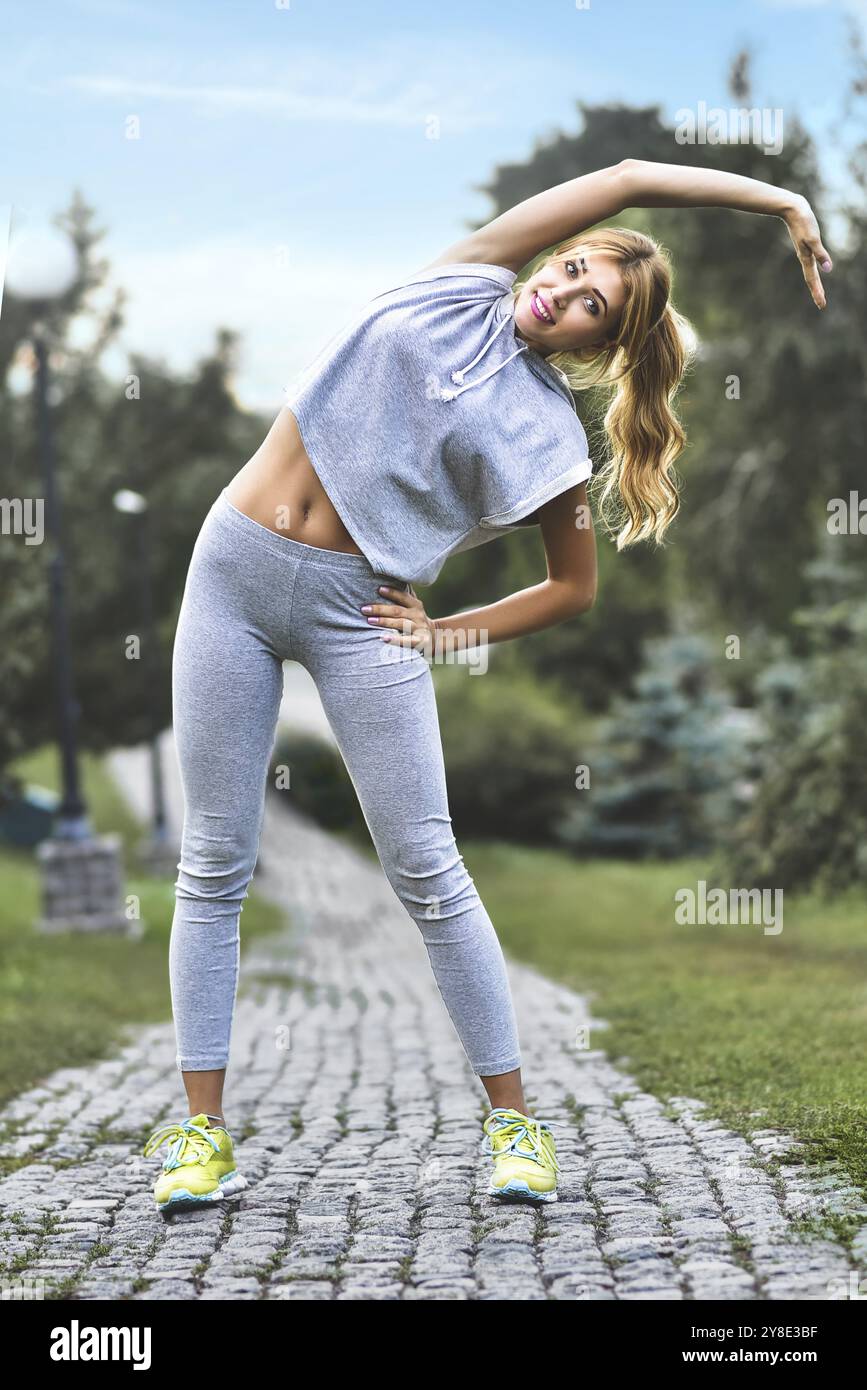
(432, 425)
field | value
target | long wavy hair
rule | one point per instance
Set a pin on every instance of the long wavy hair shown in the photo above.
(644, 364)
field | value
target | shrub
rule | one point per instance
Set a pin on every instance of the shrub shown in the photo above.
(807, 825)
(667, 766)
(510, 750)
(319, 784)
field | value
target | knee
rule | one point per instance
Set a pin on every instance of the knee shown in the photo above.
(213, 865)
(432, 881)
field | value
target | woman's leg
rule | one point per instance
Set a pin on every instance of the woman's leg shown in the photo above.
(227, 684)
(384, 717)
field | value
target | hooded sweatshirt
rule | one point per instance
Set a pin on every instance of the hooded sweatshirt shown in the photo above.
(432, 426)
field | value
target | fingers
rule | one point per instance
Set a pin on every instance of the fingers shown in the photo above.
(414, 640)
(403, 630)
(811, 250)
(815, 246)
(385, 613)
(811, 275)
(811, 241)
(404, 625)
(812, 246)
(400, 596)
(403, 600)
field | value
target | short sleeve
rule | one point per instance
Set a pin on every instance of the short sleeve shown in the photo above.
(498, 274)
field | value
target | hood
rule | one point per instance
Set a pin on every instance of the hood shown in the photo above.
(503, 323)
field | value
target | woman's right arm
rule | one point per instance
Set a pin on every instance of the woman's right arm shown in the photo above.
(651, 185)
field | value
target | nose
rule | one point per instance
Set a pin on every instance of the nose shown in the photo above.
(564, 295)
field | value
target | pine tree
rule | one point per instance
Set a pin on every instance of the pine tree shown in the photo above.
(669, 762)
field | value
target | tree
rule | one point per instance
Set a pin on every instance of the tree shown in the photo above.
(175, 439)
(666, 765)
(775, 406)
(807, 825)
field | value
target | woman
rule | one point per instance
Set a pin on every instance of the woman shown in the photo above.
(438, 418)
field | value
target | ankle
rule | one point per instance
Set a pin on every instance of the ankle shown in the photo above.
(525, 1114)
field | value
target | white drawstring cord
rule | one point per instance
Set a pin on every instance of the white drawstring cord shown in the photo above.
(458, 376)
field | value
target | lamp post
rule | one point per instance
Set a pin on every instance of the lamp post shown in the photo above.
(42, 267)
(159, 852)
(81, 872)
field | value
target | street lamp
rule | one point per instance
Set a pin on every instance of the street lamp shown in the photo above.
(41, 267)
(81, 884)
(160, 852)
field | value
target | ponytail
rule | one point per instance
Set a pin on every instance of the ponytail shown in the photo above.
(646, 436)
(645, 364)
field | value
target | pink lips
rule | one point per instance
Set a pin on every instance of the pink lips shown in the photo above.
(536, 295)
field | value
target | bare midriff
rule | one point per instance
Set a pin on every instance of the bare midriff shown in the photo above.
(279, 488)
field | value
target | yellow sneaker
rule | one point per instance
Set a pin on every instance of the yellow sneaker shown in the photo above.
(525, 1160)
(199, 1167)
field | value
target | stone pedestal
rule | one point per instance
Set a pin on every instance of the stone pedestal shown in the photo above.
(82, 887)
(158, 856)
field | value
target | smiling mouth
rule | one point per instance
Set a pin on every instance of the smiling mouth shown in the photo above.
(540, 309)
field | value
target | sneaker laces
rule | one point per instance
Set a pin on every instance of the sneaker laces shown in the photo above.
(181, 1139)
(526, 1129)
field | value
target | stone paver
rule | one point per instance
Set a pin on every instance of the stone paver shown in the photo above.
(357, 1120)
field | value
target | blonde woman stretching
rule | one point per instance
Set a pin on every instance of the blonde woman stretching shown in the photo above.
(439, 417)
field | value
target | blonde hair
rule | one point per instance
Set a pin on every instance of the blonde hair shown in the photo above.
(645, 363)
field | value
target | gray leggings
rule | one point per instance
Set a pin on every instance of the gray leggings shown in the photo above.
(254, 599)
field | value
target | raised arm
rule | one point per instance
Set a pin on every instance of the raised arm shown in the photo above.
(516, 236)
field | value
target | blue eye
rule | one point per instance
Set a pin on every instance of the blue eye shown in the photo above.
(592, 306)
(589, 301)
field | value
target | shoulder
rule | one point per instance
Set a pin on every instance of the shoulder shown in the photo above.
(452, 284)
(496, 275)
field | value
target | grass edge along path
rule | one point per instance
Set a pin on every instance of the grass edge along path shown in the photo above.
(768, 1030)
(69, 999)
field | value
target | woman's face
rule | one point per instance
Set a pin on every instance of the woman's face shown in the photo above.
(570, 304)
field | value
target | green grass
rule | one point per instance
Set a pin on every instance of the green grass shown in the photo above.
(67, 999)
(725, 1014)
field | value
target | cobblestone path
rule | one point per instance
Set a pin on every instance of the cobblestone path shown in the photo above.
(357, 1119)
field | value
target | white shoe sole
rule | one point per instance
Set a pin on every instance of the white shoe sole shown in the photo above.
(182, 1199)
(515, 1188)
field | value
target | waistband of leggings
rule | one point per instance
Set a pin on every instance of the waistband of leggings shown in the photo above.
(286, 546)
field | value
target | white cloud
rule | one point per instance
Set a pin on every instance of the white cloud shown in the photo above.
(856, 8)
(393, 79)
(283, 306)
(300, 102)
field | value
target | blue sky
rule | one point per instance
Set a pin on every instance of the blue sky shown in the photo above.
(284, 171)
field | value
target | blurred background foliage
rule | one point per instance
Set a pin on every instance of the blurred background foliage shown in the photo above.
(760, 757)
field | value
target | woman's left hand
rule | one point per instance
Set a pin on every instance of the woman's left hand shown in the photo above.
(807, 241)
(404, 614)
